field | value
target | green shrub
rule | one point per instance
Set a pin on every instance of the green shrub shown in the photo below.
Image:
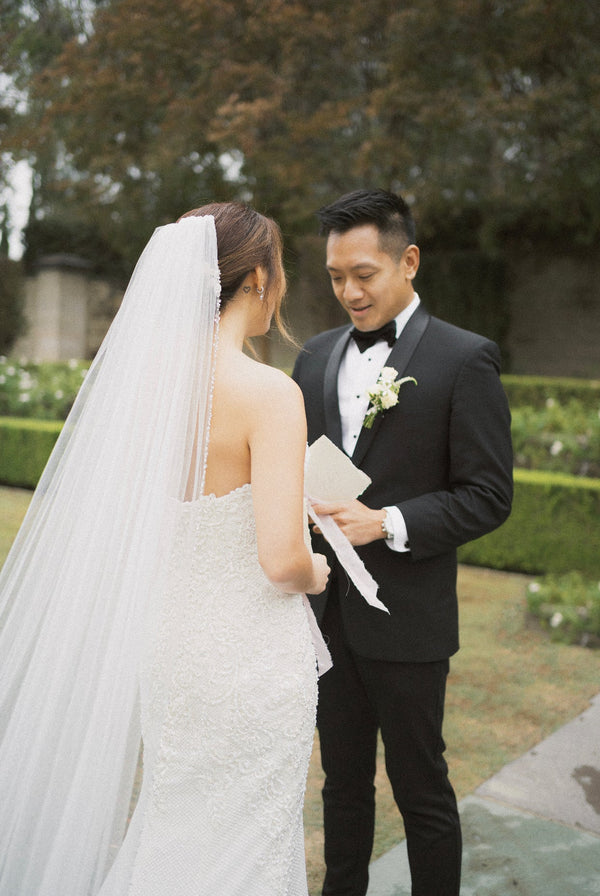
(553, 528)
(564, 438)
(568, 607)
(537, 390)
(45, 391)
(25, 447)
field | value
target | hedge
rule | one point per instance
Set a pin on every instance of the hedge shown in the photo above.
(536, 390)
(25, 447)
(553, 528)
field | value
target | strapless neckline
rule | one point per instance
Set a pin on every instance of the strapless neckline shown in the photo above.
(241, 489)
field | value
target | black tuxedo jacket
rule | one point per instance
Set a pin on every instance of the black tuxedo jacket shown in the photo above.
(443, 455)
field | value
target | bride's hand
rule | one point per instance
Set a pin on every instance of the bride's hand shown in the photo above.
(321, 572)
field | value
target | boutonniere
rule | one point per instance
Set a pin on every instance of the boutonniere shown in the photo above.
(384, 394)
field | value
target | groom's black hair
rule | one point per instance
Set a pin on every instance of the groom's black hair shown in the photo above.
(387, 211)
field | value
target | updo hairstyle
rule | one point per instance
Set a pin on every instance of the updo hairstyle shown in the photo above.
(246, 239)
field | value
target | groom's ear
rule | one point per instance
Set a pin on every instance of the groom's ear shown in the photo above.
(410, 261)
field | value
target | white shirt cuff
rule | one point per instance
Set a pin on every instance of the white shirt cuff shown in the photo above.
(400, 540)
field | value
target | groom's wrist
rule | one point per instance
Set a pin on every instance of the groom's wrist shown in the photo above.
(399, 541)
(387, 526)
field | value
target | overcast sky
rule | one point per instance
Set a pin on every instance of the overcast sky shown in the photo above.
(18, 197)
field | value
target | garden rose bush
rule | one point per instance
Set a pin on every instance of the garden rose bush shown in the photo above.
(568, 607)
(559, 438)
(45, 390)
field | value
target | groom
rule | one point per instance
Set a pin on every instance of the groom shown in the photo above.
(440, 462)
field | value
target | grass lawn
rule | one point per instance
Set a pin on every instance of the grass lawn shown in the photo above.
(508, 689)
(13, 505)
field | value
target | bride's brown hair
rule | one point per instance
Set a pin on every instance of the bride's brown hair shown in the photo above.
(246, 239)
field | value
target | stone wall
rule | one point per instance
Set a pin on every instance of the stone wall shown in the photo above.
(554, 307)
(554, 311)
(555, 315)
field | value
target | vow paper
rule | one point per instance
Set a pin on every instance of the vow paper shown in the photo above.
(330, 474)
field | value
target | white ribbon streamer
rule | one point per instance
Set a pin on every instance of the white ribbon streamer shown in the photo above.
(324, 661)
(348, 557)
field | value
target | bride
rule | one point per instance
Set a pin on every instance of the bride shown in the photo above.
(153, 596)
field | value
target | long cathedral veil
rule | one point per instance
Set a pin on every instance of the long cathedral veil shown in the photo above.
(83, 579)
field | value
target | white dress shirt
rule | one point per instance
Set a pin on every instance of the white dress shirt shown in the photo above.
(357, 374)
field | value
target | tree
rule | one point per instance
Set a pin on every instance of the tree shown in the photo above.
(33, 35)
(12, 317)
(156, 117)
(483, 112)
(494, 105)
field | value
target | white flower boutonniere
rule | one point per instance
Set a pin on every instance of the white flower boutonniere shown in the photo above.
(384, 395)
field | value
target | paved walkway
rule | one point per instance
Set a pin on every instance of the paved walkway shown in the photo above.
(531, 830)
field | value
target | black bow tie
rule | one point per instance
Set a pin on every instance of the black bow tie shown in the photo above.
(366, 340)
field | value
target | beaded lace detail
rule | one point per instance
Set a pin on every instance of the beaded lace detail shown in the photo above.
(229, 735)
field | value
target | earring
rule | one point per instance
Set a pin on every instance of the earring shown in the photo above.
(261, 292)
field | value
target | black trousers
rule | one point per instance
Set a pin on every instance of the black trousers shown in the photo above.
(406, 702)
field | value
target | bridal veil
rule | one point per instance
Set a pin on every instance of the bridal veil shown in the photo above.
(83, 580)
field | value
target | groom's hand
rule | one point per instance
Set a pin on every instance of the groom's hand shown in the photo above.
(359, 523)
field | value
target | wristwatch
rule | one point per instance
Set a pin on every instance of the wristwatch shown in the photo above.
(387, 526)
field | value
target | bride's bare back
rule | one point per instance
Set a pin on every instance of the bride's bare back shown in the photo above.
(258, 436)
(229, 461)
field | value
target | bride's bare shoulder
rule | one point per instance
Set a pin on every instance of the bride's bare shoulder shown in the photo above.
(263, 375)
(268, 389)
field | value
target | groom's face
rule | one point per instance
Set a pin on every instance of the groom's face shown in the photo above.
(368, 283)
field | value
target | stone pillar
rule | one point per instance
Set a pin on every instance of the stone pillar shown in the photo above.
(56, 308)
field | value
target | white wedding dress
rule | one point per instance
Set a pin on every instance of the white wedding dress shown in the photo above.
(229, 736)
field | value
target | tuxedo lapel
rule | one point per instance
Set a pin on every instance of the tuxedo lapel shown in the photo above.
(333, 422)
(409, 338)
(398, 358)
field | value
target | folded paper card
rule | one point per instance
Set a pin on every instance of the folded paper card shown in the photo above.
(331, 475)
